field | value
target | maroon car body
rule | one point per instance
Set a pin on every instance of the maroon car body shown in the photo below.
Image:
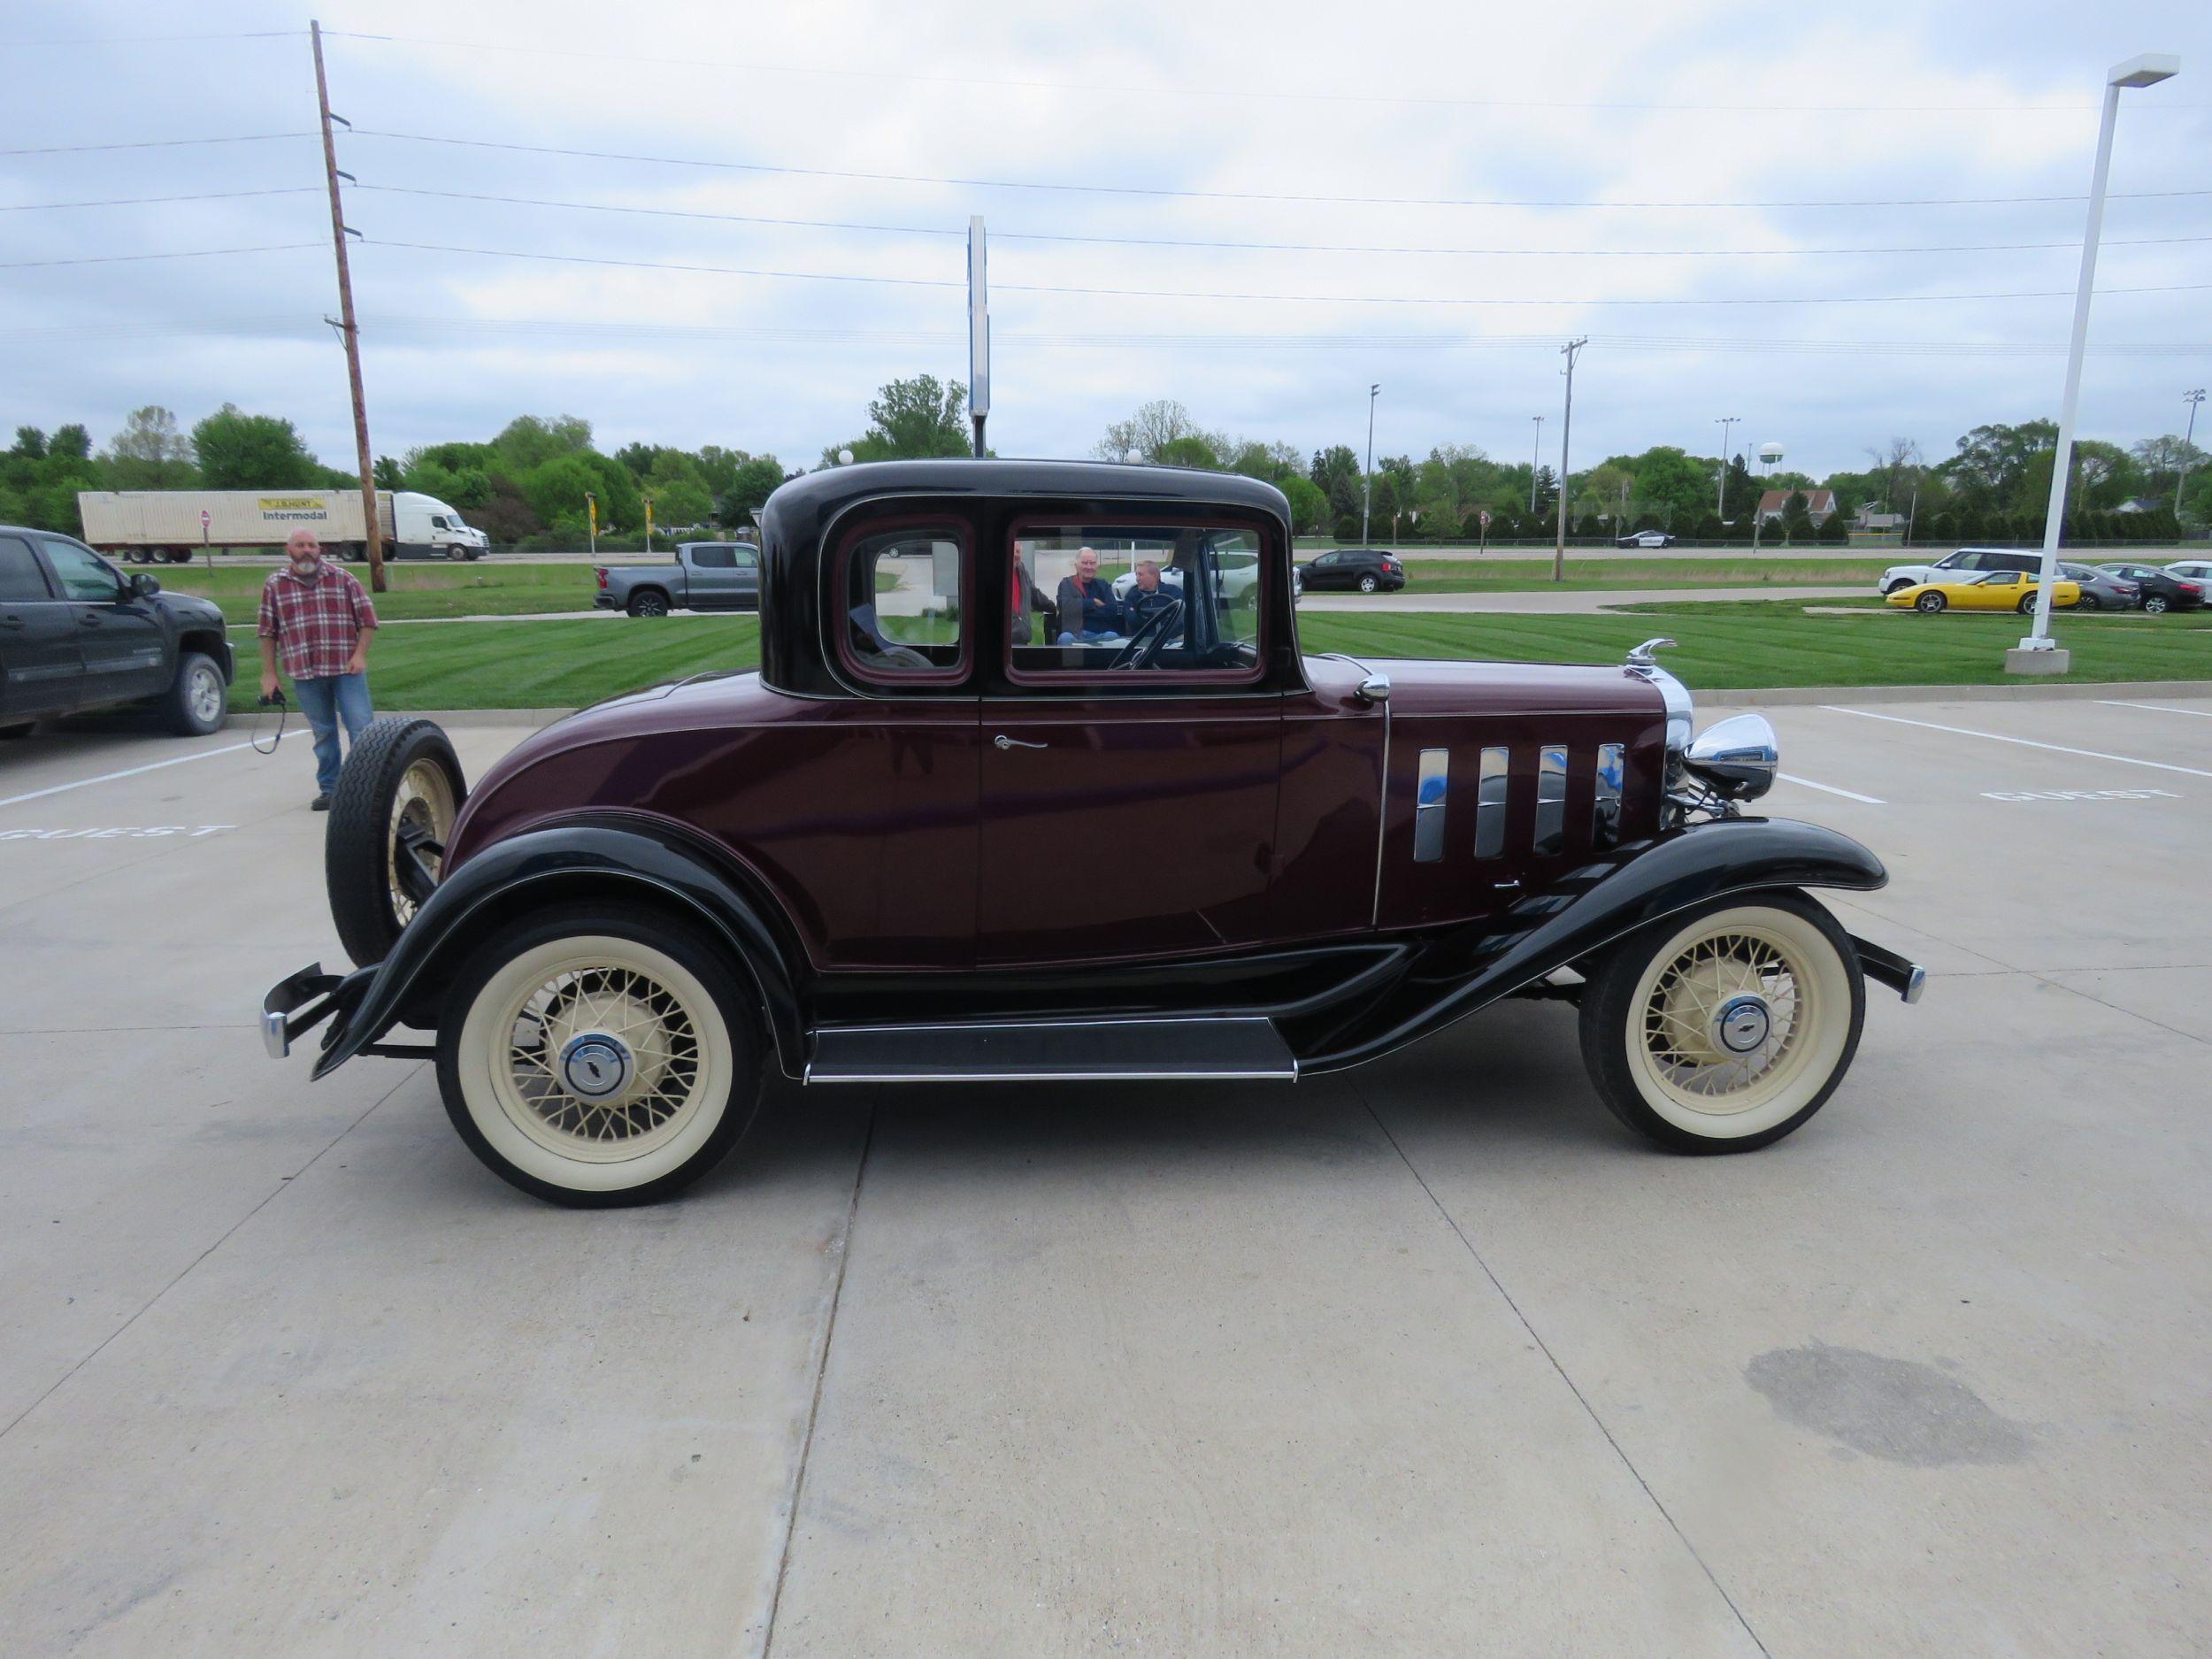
(934, 838)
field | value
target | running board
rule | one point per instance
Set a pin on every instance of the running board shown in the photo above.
(1067, 1051)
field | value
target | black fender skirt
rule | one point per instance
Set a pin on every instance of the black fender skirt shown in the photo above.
(1642, 883)
(600, 858)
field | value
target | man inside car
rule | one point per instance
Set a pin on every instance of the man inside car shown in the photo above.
(1147, 598)
(1088, 611)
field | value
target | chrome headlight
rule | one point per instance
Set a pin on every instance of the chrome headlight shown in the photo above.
(1736, 757)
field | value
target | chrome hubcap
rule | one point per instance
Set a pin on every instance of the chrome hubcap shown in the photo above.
(1742, 1024)
(597, 1066)
(207, 694)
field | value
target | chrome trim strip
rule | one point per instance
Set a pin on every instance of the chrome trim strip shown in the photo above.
(1061, 1025)
(1605, 827)
(1431, 791)
(1051, 1077)
(1551, 800)
(1490, 805)
(1382, 821)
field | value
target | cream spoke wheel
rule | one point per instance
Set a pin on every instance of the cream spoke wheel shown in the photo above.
(1729, 1029)
(592, 1064)
(423, 811)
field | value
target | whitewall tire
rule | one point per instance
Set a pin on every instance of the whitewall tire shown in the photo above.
(1723, 1030)
(599, 1056)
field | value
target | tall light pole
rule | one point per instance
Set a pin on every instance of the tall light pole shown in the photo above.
(1566, 430)
(2037, 654)
(1720, 484)
(1367, 479)
(2188, 442)
(1535, 449)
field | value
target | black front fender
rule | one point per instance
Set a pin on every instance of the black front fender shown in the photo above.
(644, 859)
(1544, 932)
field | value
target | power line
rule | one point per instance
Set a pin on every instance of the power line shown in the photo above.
(156, 40)
(151, 143)
(1259, 246)
(182, 253)
(1315, 299)
(1216, 196)
(1213, 92)
(149, 201)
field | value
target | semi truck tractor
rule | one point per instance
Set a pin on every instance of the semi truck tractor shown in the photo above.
(149, 526)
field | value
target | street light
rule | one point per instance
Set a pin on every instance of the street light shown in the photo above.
(2188, 442)
(1367, 479)
(1535, 450)
(2036, 654)
(1720, 484)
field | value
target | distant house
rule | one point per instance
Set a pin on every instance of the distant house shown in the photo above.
(1820, 503)
(1873, 519)
(2142, 503)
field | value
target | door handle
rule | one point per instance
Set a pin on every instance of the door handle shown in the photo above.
(87, 622)
(1003, 741)
(10, 622)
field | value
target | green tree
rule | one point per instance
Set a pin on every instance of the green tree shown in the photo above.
(530, 441)
(236, 450)
(752, 481)
(678, 501)
(149, 453)
(912, 420)
(30, 444)
(1191, 449)
(1309, 505)
(1835, 529)
(1797, 517)
(387, 473)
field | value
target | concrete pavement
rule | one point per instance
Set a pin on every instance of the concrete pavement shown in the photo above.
(1432, 1357)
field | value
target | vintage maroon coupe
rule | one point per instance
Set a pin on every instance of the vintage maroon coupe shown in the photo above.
(987, 813)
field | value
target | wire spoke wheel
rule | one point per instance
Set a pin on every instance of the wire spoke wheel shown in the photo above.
(423, 811)
(1727, 1030)
(598, 1056)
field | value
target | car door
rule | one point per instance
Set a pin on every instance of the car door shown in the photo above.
(709, 578)
(1128, 812)
(125, 647)
(1326, 571)
(1999, 590)
(41, 670)
(745, 578)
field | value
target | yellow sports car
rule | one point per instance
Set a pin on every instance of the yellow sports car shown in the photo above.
(1996, 590)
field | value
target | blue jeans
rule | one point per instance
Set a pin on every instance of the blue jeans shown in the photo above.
(1089, 637)
(325, 702)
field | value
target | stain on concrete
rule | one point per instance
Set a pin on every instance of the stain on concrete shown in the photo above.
(1897, 1409)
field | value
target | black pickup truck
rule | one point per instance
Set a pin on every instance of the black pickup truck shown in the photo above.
(77, 633)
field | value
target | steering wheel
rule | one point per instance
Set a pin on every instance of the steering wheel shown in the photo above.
(1150, 638)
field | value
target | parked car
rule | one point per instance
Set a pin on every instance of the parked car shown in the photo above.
(923, 843)
(76, 633)
(1992, 590)
(2161, 589)
(2100, 590)
(1362, 568)
(2197, 570)
(1646, 538)
(706, 576)
(1956, 565)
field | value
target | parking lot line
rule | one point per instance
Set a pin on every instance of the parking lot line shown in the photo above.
(128, 771)
(2158, 708)
(1829, 788)
(2025, 742)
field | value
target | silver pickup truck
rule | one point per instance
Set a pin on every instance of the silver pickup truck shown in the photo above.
(706, 576)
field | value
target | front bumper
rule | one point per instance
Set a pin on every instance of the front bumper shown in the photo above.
(1885, 967)
(295, 1005)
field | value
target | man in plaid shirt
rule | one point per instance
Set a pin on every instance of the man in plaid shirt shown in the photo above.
(316, 618)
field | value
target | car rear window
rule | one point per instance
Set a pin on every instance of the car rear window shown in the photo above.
(902, 593)
(20, 578)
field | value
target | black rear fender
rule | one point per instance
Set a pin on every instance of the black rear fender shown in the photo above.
(636, 862)
(1601, 903)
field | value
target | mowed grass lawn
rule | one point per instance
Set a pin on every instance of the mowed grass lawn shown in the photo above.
(417, 590)
(1527, 575)
(1723, 647)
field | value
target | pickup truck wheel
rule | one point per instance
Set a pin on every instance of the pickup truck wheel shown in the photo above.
(599, 1056)
(1726, 1031)
(193, 705)
(390, 817)
(648, 603)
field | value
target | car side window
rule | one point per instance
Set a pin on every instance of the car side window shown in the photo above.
(2002, 579)
(20, 578)
(901, 594)
(84, 576)
(1138, 600)
(1327, 559)
(713, 558)
(744, 558)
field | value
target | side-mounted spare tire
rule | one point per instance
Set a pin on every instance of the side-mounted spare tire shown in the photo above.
(390, 817)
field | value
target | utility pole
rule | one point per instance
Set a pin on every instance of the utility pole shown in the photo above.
(2188, 442)
(1720, 484)
(1535, 449)
(1367, 479)
(1566, 431)
(978, 330)
(348, 329)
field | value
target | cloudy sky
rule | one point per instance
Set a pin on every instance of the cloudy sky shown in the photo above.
(1751, 209)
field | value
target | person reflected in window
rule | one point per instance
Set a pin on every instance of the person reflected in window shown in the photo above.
(1147, 598)
(1024, 600)
(1088, 611)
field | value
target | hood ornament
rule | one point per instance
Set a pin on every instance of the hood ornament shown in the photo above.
(1640, 660)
